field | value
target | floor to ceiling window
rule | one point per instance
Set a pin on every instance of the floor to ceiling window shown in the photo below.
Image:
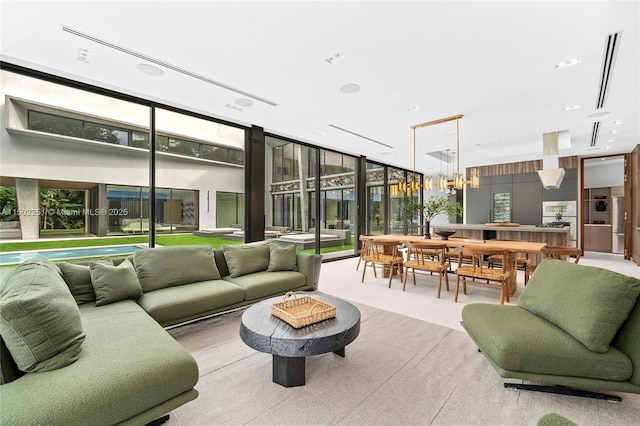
(196, 158)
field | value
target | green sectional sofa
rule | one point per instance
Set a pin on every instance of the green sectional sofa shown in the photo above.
(575, 327)
(86, 343)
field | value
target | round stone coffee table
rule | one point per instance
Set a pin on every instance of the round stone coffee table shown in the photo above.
(289, 346)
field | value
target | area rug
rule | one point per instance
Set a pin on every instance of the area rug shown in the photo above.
(399, 371)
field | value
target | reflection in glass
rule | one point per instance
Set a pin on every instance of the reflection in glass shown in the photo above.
(502, 207)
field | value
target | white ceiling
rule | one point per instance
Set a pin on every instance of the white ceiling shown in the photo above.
(493, 62)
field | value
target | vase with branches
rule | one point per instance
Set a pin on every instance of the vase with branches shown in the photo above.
(434, 206)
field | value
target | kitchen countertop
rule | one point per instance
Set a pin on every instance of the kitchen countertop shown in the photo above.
(521, 228)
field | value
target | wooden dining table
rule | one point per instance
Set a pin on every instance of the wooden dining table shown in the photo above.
(511, 249)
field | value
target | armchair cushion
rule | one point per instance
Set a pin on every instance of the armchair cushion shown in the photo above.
(558, 291)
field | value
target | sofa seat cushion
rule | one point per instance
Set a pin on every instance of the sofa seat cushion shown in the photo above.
(163, 267)
(518, 340)
(587, 302)
(170, 305)
(262, 284)
(39, 318)
(129, 364)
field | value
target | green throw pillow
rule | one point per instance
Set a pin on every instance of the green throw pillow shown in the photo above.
(282, 258)
(246, 258)
(78, 278)
(114, 283)
(588, 303)
(39, 318)
(163, 267)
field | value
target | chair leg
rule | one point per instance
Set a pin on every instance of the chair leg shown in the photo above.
(364, 271)
(446, 276)
(455, 295)
(358, 265)
(464, 285)
(404, 279)
(439, 284)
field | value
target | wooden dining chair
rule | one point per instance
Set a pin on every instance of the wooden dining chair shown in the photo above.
(384, 254)
(522, 261)
(429, 257)
(555, 252)
(362, 250)
(496, 277)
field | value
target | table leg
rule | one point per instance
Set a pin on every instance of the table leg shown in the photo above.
(288, 371)
(512, 270)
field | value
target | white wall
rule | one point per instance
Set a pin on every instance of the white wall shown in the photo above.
(602, 174)
(59, 158)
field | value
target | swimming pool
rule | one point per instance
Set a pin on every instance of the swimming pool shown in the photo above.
(68, 253)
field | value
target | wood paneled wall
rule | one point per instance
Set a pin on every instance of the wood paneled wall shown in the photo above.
(523, 167)
(635, 204)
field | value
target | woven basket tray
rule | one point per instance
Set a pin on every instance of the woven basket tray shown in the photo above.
(302, 311)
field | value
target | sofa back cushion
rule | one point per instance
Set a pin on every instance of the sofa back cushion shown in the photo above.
(78, 279)
(588, 303)
(163, 267)
(247, 258)
(39, 318)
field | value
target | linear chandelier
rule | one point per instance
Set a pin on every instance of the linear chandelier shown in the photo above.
(443, 183)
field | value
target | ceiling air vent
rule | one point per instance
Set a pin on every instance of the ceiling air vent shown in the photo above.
(611, 45)
(594, 133)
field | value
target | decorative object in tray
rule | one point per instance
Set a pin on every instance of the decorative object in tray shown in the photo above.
(302, 311)
(445, 233)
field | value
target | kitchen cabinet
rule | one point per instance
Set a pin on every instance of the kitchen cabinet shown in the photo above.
(597, 238)
(478, 202)
(527, 199)
(522, 194)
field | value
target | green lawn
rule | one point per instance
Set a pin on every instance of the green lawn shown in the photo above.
(162, 240)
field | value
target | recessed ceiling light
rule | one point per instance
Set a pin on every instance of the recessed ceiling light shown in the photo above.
(150, 70)
(598, 114)
(611, 140)
(350, 88)
(317, 132)
(615, 131)
(336, 58)
(450, 132)
(607, 147)
(413, 108)
(244, 102)
(571, 107)
(568, 63)
(618, 122)
(233, 107)
(84, 55)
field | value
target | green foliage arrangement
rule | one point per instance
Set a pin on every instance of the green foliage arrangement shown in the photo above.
(433, 206)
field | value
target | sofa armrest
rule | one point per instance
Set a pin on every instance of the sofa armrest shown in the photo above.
(309, 265)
